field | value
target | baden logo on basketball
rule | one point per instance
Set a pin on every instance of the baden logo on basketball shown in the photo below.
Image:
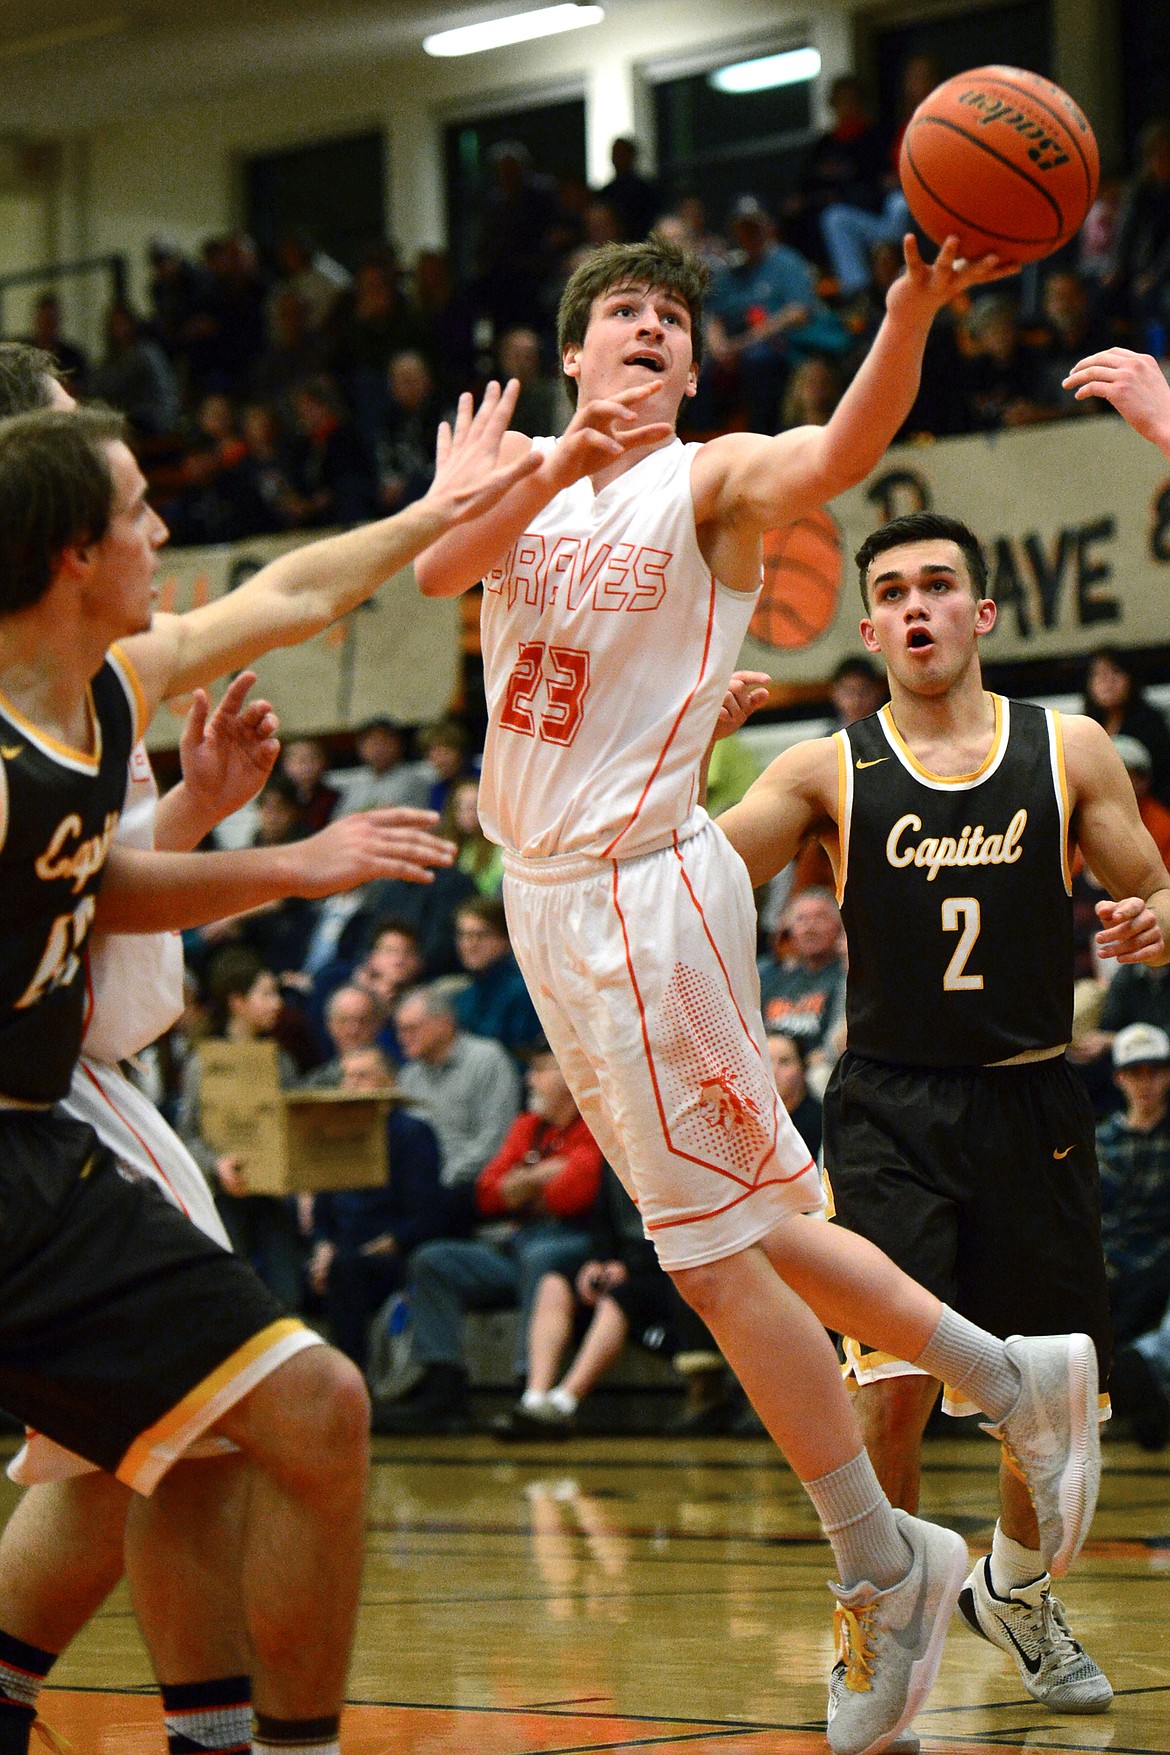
(803, 565)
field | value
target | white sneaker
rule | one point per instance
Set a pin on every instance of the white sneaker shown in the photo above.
(890, 1641)
(908, 1743)
(1030, 1623)
(1052, 1434)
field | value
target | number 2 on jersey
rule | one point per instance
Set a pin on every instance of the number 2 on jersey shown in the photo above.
(566, 684)
(961, 914)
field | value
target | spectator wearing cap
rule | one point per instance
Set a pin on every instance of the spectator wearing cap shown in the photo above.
(1139, 766)
(385, 776)
(1133, 1149)
(764, 315)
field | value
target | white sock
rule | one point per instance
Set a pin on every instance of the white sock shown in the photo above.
(971, 1360)
(859, 1522)
(562, 1399)
(533, 1398)
(1012, 1565)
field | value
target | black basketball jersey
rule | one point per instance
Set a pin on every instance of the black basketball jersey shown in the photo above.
(58, 812)
(956, 895)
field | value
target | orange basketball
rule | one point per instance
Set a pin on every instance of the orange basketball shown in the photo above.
(802, 581)
(1002, 158)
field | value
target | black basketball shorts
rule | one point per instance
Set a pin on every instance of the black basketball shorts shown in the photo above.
(124, 1331)
(981, 1183)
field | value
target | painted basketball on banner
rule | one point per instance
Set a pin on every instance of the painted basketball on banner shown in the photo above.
(1004, 159)
(803, 565)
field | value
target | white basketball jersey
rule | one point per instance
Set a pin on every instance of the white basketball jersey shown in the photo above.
(607, 649)
(135, 979)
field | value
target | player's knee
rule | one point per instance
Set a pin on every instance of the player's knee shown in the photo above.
(703, 1288)
(309, 1421)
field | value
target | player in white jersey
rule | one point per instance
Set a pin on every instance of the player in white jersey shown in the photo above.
(619, 581)
(61, 1552)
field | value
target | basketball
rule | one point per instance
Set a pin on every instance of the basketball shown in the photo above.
(802, 581)
(1003, 159)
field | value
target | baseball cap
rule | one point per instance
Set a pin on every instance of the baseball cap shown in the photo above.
(748, 208)
(1141, 1045)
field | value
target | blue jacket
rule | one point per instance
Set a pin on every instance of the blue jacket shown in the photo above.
(411, 1206)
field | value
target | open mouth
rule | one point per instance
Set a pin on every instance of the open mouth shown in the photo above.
(918, 640)
(651, 362)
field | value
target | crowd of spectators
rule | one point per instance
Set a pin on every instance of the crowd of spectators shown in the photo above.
(291, 394)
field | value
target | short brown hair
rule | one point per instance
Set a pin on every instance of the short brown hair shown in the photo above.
(656, 263)
(26, 374)
(488, 910)
(56, 493)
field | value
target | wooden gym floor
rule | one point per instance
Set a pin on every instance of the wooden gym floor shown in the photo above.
(609, 1595)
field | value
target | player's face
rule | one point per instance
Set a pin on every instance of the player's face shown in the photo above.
(924, 616)
(636, 335)
(124, 562)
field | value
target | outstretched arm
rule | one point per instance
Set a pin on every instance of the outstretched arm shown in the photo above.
(758, 483)
(1118, 848)
(1134, 384)
(598, 434)
(300, 594)
(226, 757)
(796, 794)
(161, 892)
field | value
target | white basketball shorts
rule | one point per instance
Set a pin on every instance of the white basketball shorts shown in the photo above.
(643, 973)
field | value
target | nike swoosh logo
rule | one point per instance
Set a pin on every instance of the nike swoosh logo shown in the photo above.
(1032, 1665)
(909, 1635)
(873, 763)
(1065, 1153)
(11, 751)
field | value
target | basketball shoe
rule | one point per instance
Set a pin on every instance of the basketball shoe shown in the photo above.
(1052, 1436)
(890, 1642)
(1030, 1623)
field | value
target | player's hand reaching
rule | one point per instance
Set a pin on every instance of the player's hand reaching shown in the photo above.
(469, 477)
(1129, 932)
(1135, 386)
(602, 431)
(227, 755)
(747, 691)
(927, 286)
(394, 842)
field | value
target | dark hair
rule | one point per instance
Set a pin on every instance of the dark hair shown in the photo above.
(56, 493)
(924, 527)
(656, 263)
(798, 1043)
(856, 665)
(279, 785)
(26, 374)
(487, 909)
(233, 973)
(394, 923)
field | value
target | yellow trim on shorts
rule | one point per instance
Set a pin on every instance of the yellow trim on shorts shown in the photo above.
(182, 1413)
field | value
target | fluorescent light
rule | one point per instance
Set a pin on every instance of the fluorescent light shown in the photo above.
(793, 67)
(521, 27)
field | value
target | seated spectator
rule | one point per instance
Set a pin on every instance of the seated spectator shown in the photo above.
(354, 1017)
(268, 471)
(427, 909)
(635, 199)
(542, 1183)
(294, 352)
(1137, 993)
(362, 1238)
(802, 982)
(1133, 1149)
(495, 1000)
(212, 501)
(310, 276)
(842, 169)
(385, 776)
(764, 315)
(1005, 383)
(466, 1087)
(813, 392)
(1071, 330)
(47, 335)
(1155, 816)
(622, 1294)
(445, 315)
(478, 858)
(447, 752)
(136, 377)
(279, 932)
(262, 1227)
(686, 226)
(1114, 698)
(789, 1057)
(235, 328)
(370, 323)
(403, 436)
(856, 689)
(391, 967)
(542, 408)
(333, 474)
(1139, 280)
(180, 292)
(303, 762)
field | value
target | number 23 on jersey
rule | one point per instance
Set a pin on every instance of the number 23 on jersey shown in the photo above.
(560, 674)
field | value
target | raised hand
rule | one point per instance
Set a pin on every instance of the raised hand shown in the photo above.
(469, 476)
(394, 842)
(1135, 386)
(602, 431)
(227, 755)
(1129, 931)
(928, 286)
(747, 691)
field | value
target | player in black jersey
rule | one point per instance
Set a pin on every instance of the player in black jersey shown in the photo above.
(956, 1136)
(124, 1333)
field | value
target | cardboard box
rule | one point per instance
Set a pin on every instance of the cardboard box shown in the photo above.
(289, 1142)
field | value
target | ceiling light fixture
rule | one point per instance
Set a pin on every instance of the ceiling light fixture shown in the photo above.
(521, 27)
(792, 67)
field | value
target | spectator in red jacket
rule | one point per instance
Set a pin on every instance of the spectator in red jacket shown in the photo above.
(538, 1195)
